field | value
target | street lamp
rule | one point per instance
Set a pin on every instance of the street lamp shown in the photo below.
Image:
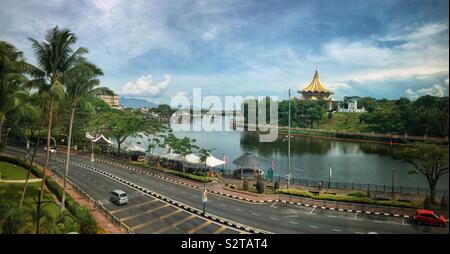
(329, 176)
(393, 179)
(289, 138)
(92, 154)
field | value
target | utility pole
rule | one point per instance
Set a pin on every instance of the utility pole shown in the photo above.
(329, 176)
(289, 139)
(204, 193)
(393, 179)
(38, 211)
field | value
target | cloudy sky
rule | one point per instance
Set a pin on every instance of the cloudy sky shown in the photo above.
(157, 49)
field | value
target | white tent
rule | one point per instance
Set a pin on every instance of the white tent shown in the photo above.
(89, 136)
(192, 158)
(102, 138)
(134, 148)
(212, 161)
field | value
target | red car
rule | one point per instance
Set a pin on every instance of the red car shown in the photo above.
(428, 217)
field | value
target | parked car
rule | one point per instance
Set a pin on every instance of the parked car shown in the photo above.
(428, 217)
(119, 197)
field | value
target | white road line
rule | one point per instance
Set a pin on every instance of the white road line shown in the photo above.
(311, 226)
(293, 222)
(331, 216)
(336, 230)
(273, 218)
(312, 210)
(238, 209)
(256, 214)
(274, 204)
(223, 205)
(378, 221)
(356, 214)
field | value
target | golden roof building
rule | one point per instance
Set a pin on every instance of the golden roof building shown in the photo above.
(316, 90)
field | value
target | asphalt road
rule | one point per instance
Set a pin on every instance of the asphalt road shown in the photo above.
(274, 217)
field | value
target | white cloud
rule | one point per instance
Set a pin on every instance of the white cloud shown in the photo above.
(211, 34)
(440, 89)
(144, 87)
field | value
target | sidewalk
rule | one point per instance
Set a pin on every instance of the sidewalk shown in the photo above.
(106, 227)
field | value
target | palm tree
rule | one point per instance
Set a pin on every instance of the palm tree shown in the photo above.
(54, 56)
(12, 76)
(80, 82)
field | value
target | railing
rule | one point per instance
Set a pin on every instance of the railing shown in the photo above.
(97, 204)
(359, 186)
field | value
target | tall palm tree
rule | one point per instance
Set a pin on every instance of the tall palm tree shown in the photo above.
(80, 83)
(12, 76)
(54, 56)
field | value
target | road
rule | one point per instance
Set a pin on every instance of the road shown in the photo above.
(273, 217)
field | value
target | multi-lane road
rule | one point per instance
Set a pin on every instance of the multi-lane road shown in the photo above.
(148, 215)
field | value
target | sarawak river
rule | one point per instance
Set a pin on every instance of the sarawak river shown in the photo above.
(351, 161)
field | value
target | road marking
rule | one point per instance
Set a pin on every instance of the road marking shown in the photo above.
(273, 218)
(145, 224)
(336, 230)
(256, 214)
(170, 214)
(223, 205)
(359, 232)
(146, 212)
(197, 228)
(219, 230)
(331, 216)
(311, 226)
(274, 204)
(237, 209)
(356, 214)
(130, 207)
(162, 230)
(183, 220)
(378, 221)
(293, 222)
(312, 210)
(182, 192)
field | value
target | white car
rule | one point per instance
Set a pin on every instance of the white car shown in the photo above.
(118, 197)
(52, 149)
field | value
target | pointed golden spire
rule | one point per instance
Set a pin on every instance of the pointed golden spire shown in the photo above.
(316, 86)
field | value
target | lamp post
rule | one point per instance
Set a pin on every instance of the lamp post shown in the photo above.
(289, 138)
(92, 154)
(393, 179)
(329, 176)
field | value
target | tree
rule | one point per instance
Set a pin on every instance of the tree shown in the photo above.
(182, 146)
(430, 160)
(54, 57)
(124, 124)
(80, 82)
(12, 76)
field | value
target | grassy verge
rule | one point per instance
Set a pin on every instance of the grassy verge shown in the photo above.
(10, 171)
(355, 198)
(197, 178)
(85, 222)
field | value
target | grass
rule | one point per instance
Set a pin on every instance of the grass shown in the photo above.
(11, 171)
(343, 122)
(347, 198)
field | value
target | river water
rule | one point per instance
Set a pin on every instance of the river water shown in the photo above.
(350, 161)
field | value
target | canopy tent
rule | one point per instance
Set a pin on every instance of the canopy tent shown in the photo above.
(134, 148)
(102, 140)
(192, 158)
(212, 161)
(89, 136)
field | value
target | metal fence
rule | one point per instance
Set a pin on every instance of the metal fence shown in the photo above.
(97, 204)
(359, 186)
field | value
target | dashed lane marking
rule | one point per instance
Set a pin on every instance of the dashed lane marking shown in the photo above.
(183, 220)
(293, 222)
(197, 228)
(273, 218)
(311, 226)
(336, 230)
(312, 210)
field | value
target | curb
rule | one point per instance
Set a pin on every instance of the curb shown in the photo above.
(246, 199)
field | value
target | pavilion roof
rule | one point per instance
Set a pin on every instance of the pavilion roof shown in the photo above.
(316, 86)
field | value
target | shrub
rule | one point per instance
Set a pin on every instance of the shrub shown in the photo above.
(245, 185)
(357, 194)
(260, 186)
(276, 186)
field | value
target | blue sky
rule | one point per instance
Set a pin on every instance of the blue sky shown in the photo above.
(158, 49)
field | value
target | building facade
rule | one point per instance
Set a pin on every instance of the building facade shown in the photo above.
(111, 100)
(352, 107)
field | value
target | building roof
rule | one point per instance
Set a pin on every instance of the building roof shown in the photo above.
(247, 160)
(316, 86)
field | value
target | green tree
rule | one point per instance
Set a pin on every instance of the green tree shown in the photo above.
(430, 160)
(80, 82)
(54, 56)
(183, 147)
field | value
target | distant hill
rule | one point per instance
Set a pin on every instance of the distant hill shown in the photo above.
(136, 103)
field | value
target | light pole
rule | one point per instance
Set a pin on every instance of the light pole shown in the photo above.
(204, 193)
(329, 176)
(289, 138)
(92, 154)
(393, 179)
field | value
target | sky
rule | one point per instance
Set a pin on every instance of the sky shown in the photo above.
(159, 49)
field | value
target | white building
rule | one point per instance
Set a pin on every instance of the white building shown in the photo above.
(352, 107)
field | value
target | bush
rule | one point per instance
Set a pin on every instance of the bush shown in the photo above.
(245, 185)
(357, 194)
(276, 186)
(260, 186)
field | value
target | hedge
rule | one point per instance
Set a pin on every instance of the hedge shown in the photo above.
(87, 223)
(342, 198)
